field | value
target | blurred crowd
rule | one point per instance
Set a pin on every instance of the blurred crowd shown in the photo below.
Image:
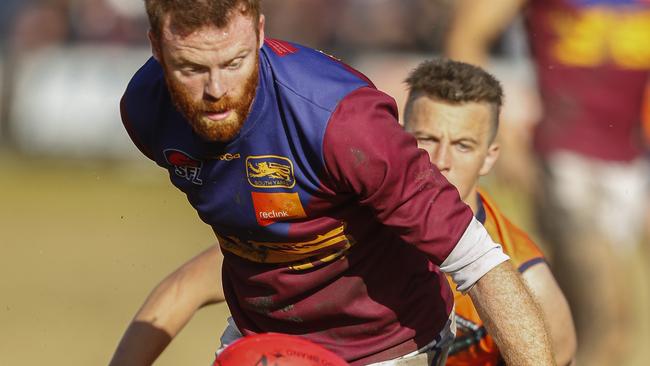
(34, 29)
(335, 24)
(30, 24)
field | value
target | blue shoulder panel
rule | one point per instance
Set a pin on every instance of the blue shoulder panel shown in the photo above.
(142, 106)
(313, 75)
(308, 86)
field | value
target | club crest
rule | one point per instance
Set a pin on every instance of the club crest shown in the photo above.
(270, 171)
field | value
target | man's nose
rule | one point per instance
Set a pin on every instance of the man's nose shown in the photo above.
(215, 87)
(441, 158)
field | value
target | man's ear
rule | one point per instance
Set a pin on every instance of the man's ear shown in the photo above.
(155, 46)
(260, 28)
(490, 159)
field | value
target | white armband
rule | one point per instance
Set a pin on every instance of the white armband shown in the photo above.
(474, 255)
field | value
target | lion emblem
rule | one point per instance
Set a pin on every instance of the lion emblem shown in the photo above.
(272, 170)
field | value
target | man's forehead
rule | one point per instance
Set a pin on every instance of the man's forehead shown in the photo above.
(210, 43)
(466, 118)
(238, 24)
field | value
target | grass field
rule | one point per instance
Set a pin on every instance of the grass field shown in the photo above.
(81, 245)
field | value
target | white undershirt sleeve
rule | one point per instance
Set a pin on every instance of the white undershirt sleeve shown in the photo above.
(474, 255)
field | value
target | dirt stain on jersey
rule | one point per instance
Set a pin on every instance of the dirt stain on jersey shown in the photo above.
(359, 157)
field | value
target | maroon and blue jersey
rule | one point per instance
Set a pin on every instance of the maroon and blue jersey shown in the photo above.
(325, 209)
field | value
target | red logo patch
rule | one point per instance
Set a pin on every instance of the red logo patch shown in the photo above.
(184, 165)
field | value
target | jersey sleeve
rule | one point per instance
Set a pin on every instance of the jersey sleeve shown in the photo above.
(516, 243)
(136, 134)
(368, 154)
(141, 106)
(524, 253)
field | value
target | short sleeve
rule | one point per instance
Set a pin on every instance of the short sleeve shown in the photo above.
(368, 154)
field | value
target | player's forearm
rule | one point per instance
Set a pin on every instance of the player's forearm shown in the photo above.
(542, 285)
(159, 320)
(169, 307)
(475, 26)
(175, 300)
(141, 345)
(512, 317)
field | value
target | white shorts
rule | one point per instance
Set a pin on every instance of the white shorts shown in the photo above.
(610, 198)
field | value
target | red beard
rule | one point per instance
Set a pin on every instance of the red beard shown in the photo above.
(216, 131)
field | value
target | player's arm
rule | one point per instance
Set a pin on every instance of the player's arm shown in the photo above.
(510, 314)
(547, 293)
(512, 317)
(475, 26)
(381, 164)
(169, 307)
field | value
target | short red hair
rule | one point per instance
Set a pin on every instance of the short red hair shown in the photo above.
(190, 15)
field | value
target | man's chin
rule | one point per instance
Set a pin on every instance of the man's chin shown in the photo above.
(217, 131)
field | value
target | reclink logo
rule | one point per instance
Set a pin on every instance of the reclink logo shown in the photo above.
(274, 207)
(184, 165)
(270, 171)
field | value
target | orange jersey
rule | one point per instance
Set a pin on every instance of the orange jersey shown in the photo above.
(472, 345)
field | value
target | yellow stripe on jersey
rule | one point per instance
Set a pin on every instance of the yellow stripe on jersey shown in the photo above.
(323, 248)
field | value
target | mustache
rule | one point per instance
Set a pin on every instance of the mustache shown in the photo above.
(222, 105)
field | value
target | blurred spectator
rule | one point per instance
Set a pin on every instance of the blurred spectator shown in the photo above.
(386, 39)
(31, 25)
(377, 24)
(34, 24)
(8, 11)
(109, 21)
(390, 25)
(59, 30)
(316, 20)
(39, 24)
(352, 27)
(429, 23)
(592, 60)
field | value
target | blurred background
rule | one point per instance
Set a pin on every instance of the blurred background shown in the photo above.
(88, 226)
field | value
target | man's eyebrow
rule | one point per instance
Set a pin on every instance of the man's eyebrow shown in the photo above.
(240, 54)
(422, 134)
(182, 61)
(467, 139)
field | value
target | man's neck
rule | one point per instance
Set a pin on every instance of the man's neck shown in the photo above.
(472, 200)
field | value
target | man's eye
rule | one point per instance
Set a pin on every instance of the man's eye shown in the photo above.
(463, 147)
(191, 70)
(234, 65)
(427, 140)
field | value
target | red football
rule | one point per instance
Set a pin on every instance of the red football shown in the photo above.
(274, 349)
